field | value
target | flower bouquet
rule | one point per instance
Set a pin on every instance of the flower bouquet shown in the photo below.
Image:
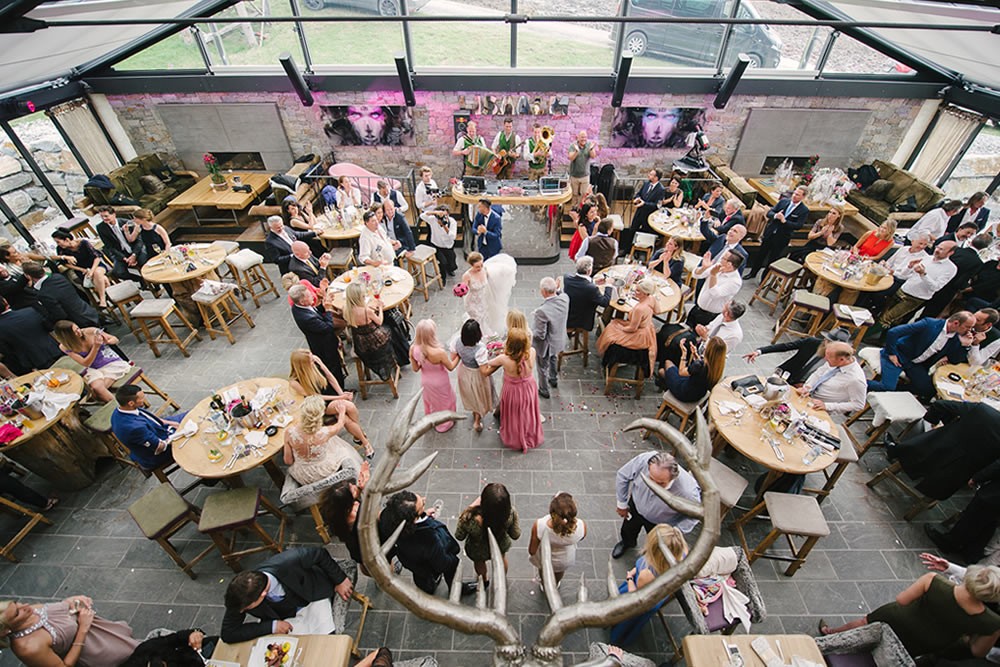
(494, 345)
(218, 180)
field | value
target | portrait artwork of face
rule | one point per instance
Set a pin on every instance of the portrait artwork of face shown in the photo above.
(368, 125)
(653, 127)
(368, 122)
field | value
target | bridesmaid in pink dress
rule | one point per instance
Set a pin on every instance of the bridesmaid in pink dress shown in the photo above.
(433, 363)
(520, 416)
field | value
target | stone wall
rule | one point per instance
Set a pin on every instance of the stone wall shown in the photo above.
(592, 112)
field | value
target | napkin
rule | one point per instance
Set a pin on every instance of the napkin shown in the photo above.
(631, 303)
(728, 407)
(264, 396)
(281, 420)
(755, 401)
(230, 395)
(667, 290)
(256, 438)
(829, 252)
(51, 403)
(186, 431)
(951, 388)
(858, 315)
(338, 287)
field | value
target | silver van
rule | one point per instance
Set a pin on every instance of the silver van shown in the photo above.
(698, 43)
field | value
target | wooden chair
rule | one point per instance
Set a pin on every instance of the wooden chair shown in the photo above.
(365, 379)
(846, 455)
(34, 518)
(160, 514)
(890, 407)
(230, 247)
(812, 308)
(137, 376)
(580, 344)
(156, 312)
(676, 316)
(730, 483)
(611, 378)
(248, 267)
(842, 315)
(211, 307)
(790, 514)
(715, 620)
(341, 259)
(122, 296)
(417, 263)
(778, 281)
(644, 242)
(672, 405)
(234, 510)
(892, 473)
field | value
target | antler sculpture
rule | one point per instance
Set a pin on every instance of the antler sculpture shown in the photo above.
(565, 619)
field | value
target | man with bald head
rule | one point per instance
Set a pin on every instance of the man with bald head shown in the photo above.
(719, 243)
(839, 384)
(279, 241)
(305, 265)
(928, 275)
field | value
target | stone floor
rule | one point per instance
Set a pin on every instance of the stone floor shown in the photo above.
(95, 549)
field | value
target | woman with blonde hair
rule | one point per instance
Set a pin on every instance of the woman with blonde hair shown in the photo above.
(875, 243)
(635, 333)
(563, 530)
(64, 633)
(312, 451)
(90, 347)
(517, 320)
(696, 373)
(671, 256)
(309, 376)
(520, 416)
(429, 358)
(372, 339)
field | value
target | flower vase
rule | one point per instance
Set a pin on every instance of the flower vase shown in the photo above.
(219, 182)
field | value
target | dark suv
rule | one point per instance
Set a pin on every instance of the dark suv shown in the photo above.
(698, 43)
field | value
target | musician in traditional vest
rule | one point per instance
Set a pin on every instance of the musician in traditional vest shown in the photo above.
(536, 152)
(507, 146)
(468, 146)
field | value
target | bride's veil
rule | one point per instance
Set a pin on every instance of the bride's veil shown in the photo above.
(501, 275)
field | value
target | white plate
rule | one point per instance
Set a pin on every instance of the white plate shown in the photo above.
(257, 654)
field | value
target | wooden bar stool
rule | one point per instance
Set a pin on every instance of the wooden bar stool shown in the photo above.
(846, 455)
(673, 405)
(580, 341)
(124, 295)
(892, 473)
(365, 379)
(156, 312)
(161, 513)
(611, 378)
(842, 315)
(248, 267)
(644, 242)
(889, 407)
(790, 514)
(417, 263)
(235, 509)
(212, 315)
(811, 307)
(730, 483)
(779, 279)
(34, 518)
(230, 247)
(341, 259)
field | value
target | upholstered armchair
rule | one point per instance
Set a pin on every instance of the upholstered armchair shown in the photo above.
(874, 641)
(299, 497)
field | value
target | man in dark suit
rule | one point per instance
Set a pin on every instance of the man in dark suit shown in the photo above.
(788, 215)
(964, 232)
(975, 211)
(279, 241)
(306, 266)
(146, 436)
(732, 215)
(976, 524)
(396, 221)
(719, 243)
(59, 298)
(585, 297)
(489, 229)
(277, 589)
(914, 348)
(16, 291)
(549, 333)
(128, 257)
(645, 202)
(969, 263)
(316, 324)
(984, 287)
(25, 341)
(808, 355)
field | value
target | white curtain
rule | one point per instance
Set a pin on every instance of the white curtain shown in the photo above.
(81, 127)
(953, 129)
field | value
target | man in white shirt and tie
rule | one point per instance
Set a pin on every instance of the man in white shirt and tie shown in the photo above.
(929, 275)
(839, 385)
(721, 284)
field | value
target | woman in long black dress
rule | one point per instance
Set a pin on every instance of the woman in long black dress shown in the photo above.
(153, 236)
(372, 339)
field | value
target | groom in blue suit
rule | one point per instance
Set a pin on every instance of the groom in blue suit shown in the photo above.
(915, 348)
(145, 434)
(489, 229)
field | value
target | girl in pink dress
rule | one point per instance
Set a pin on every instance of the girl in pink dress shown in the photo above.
(433, 363)
(520, 416)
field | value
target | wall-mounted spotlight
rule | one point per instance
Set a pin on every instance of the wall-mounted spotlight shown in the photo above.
(731, 81)
(18, 107)
(621, 79)
(405, 78)
(298, 81)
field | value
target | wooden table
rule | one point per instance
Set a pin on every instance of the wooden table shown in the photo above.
(334, 232)
(664, 302)
(828, 278)
(745, 434)
(710, 650)
(392, 295)
(530, 235)
(668, 222)
(60, 450)
(766, 189)
(192, 455)
(965, 372)
(206, 259)
(203, 196)
(317, 651)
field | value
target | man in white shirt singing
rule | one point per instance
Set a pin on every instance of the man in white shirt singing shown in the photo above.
(929, 275)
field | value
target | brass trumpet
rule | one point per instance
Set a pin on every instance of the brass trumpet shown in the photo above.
(548, 135)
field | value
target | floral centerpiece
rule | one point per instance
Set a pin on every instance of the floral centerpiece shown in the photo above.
(830, 186)
(808, 175)
(213, 170)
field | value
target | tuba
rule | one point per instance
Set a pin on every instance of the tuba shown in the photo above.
(548, 134)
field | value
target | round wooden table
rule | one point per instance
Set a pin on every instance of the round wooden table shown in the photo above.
(964, 371)
(392, 295)
(334, 231)
(192, 454)
(827, 278)
(744, 434)
(60, 450)
(162, 271)
(670, 222)
(668, 294)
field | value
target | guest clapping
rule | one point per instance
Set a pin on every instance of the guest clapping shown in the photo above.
(309, 376)
(91, 348)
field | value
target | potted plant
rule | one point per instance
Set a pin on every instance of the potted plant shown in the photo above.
(218, 180)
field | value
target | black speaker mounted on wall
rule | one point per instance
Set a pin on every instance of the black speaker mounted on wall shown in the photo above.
(731, 81)
(298, 81)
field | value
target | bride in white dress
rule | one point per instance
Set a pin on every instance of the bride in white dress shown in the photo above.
(313, 451)
(490, 284)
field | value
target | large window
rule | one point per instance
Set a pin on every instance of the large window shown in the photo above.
(658, 45)
(356, 42)
(853, 57)
(562, 44)
(179, 51)
(977, 168)
(787, 47)
(251, 43)
(462, 44)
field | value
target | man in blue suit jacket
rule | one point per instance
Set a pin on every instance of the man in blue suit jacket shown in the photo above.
(718, 243)
(317, 325)
(788, 215)
(401, 231)
(145, 434)
(489, 229)
(915, 348)
(975, 211)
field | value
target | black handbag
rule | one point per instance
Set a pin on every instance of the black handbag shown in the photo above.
(745, 386)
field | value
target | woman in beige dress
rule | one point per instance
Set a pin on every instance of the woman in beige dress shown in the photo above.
(314, 452)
